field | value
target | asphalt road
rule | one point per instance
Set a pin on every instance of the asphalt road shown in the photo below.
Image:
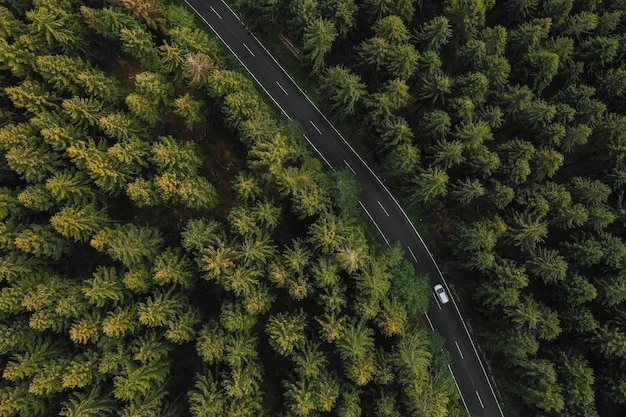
(387, 215)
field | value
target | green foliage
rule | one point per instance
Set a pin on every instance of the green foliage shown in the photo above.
(42, 241)
(344, 190)
(343, 89)
(206, 400)
(319, 36)
(286, 332)
(512, 133)
(128, 243)
(79, 223)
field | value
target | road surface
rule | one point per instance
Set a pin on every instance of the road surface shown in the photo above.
(376, 201)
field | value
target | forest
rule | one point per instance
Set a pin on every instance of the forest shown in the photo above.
(502, 123)
(169, 245)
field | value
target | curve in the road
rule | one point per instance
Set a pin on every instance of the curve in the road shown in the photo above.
(466, 367)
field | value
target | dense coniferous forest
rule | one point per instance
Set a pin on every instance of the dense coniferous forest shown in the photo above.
(170, 247)
(503, 123)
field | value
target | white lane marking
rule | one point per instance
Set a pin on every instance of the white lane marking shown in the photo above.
(437, 301)
(318, 152)
(215, 11)
(458, 389)
(348, 165)
(366, 165)
(412, 254)
(231, 10)
(381, 206)
(375, 224)
(239, 59)
(313, 124)
(246, 46)
(479, 399)
(284, 91)
(430, 322)
(459, 349)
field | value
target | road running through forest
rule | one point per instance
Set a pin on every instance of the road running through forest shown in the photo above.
(376, 201)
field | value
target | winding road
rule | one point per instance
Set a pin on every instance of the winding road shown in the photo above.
(377, 202)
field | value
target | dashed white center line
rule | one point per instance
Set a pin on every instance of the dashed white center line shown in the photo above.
(284, 91)
(412, 254)
(215, 11)
(381, 206)
(480, 400)
(318, 152)
(348, 165)
(375, 224)
(246, 46)
(313, 124)
(459, 349)
(437, 301)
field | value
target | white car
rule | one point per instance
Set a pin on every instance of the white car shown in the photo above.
(441, 294)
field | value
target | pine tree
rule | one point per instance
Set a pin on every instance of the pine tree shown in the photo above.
(57, 27)
(81, 371)
(548, 265)
(344, 90)
(79, 222)
(143, 109)
(242, 383)
(42, 241)
(82, 404)
(150, 347)
(86, 329)
(33, 162)
(190, 110)
(172, 267)
(402, 61)
(139, 380)
(99, 85)
(105, 286)
(118, 125)
(411, 359)
(286, 332)
(342, 13)
(373, 52)
(357, 341)
(161, 308)
(429, 184)
(435, 33)
(32, 96)
(216, 261)
(83, 111)
(128, 243)
(61, 71)
(300, 398)
(246, 186)
(150, 11)
(120, 321)
(36, 197)
(138, 43)
(207, 399)
(182, 328)
(392, 318)
(467, 191)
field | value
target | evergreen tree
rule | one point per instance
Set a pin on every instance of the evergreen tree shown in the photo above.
(79, 222)
(344, 90)
(318, 38)
(286, 332)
